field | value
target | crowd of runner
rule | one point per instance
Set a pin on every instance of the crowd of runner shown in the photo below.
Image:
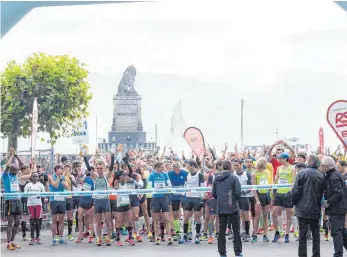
(160, 218)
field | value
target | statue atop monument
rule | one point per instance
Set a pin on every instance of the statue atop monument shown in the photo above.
(126, 85)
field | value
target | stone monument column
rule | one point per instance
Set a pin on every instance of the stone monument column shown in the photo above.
(127, 118)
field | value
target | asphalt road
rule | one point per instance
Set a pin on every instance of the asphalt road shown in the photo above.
(147, 249)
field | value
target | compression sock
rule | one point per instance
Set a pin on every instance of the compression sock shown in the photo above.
(247, 225)
(176, 224)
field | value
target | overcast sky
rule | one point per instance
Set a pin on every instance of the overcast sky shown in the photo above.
(288, 60)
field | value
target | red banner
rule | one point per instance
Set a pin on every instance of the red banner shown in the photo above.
(321, 141)
(195, 140)
(337, 119)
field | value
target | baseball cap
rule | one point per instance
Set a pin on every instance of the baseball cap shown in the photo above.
(283, 156)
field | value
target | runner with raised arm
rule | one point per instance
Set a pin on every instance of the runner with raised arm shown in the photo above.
(13, 205)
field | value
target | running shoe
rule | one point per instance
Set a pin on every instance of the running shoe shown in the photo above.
(62, 241)
(86, 234)
(177, 237)
(79, 239)
(260, 231)
(16, 246)
(108, 241)
(203, 237)
(266, 239)
(24, 238)
(254, 239)
(10, 247)
(231, 236)
(276, 237)
(113, 235)
(327, 237)
(32, 242)
(169, 241)
(197, 241)
(54, 241)
(38, 242)
(190, 236)
(246, 238)
(239, 255)
(183, 240)
(70, 238)
(271, 228)
(138, 238)
(292, 229)
(91, 239)
(157, 241)
(210, 240)
(99, 242)
(150, 235)
(286, 239)
(119, 243)
(131, 242)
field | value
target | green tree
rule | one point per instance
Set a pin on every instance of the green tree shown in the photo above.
(61, 87)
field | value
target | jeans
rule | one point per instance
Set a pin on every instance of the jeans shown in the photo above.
(337, 224)
(235, 223)
(303, 228)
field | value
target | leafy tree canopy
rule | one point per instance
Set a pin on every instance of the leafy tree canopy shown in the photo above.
(60, 84)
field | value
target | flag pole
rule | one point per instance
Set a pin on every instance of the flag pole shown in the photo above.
(96, 131)
(242, 124)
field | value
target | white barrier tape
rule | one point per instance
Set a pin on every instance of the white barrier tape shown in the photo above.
(139, 191)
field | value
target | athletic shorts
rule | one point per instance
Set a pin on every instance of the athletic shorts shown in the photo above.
(35, 212)
(244, 203)
(124, 208)
(86, 203)
(134, 201)
(283, 200)
(160, 204)
(252, 204)
(192, 204)
(13, 207)
(102, 205)
(76, 201)
(69, 204)
(264, 199)
(58, 207)
(113, 205)
(212, 206)
(175, 204)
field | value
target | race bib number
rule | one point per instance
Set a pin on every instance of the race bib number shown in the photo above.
(14, 186)
(263, 181)
(59, 198)
(97, 196)
(190, 185)
(283, 181)
(123, 200)
(79, 187)
(87, 187)
(131, 186)
(159, 185)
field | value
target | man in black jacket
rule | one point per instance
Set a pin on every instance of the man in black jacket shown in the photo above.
(335, 202)
(226, 188)
(307, 194)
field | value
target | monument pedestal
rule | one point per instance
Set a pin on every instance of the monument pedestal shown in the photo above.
(137, 138)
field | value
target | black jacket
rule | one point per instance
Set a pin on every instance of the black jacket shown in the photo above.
(335, 193)
(226, 188)
(307, 193)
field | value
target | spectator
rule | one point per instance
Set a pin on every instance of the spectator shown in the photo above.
(226, 189)
(307, 194)
(335, 203)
